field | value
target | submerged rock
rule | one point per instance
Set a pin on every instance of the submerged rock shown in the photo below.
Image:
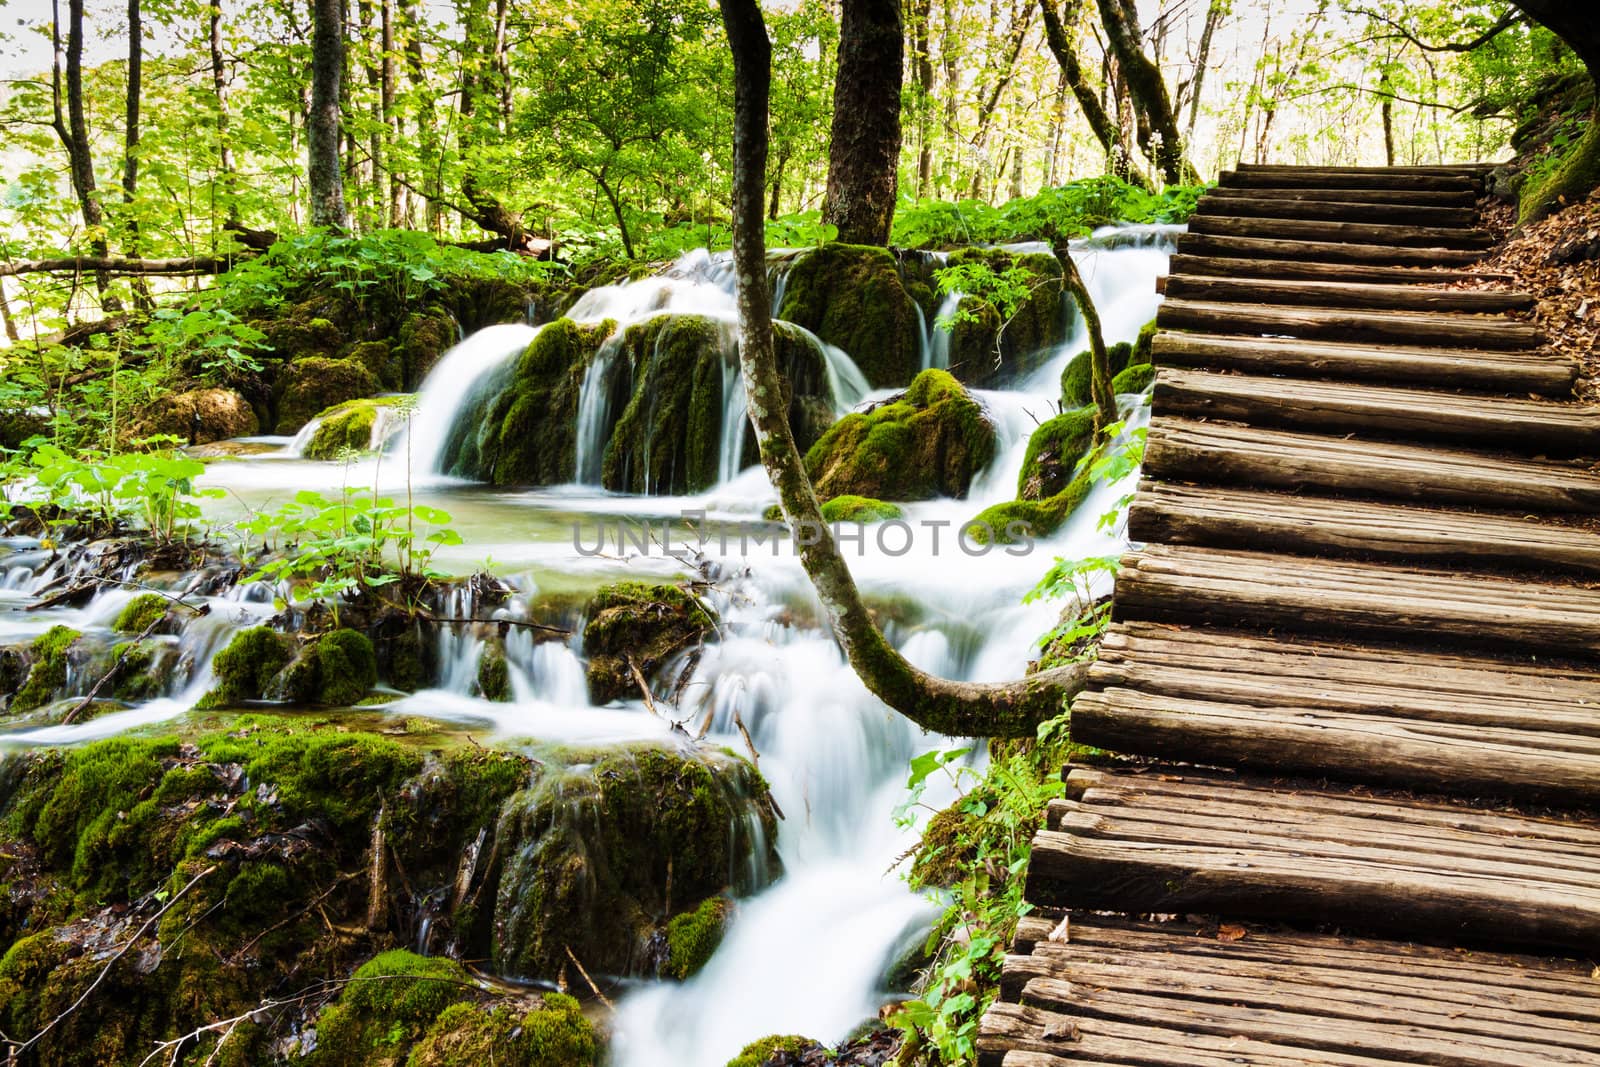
(198, 416)
(928, 442)
(600, 855)
(635, 625)
(852, 296)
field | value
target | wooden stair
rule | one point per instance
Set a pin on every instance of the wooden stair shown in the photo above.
(1368, 603)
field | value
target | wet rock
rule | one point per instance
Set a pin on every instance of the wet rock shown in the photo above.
(494, 673)
(1077, 376)
(314, 383)
(198, 416)
(991, 353)
(645, 625)
(46, 657)
(693, 936)
(859, 509)
(423, 337)
(852, 296)
(928, 442)
(357, 425)
(781, 1050)
(18, 426)
(143, 611)
(1054, 452)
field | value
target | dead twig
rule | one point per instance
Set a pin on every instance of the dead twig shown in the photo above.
(589, 980)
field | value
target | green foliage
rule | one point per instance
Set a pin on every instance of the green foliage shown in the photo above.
(861, 509)
(1072, 210)
(1074, 639)
(154, 489)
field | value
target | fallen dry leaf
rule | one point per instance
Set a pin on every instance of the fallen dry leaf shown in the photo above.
(1228, 932)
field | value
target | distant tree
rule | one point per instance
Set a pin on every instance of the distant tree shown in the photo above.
(324, 174)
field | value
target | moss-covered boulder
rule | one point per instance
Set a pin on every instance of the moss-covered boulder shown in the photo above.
(47, 669)
(1134, 379)
(19, 426)
(359, 425)
(555, 1034)
(773, 1051)
(928, 442)
(198, 416)
(494, 673)
(1019, 521)
(1054, 450)
(247, 666)
(852, 296)
(143, 611)
(693, 936)
(859, 509)
(423, 337)
(335, 669)
(989, 352)
(301, 330)
(600, 854)
(1077, 376)
(669, 436)
(638, 625)
(314, 384)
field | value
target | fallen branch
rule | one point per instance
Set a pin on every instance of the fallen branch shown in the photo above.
(589, 980)
(121, 265)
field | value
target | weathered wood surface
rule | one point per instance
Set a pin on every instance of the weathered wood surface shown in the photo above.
(1422, 197)
(1323, 179)
(1144, 843)
(1364, 233)
(1290, 270)
(1320, 526)
(1341, 324)
(1531, 427)
(1188, 450)
(1117, 992)
(1336, 210)
(1324, 251)
(1343, 294)
(1181, 583)
(1449, 368)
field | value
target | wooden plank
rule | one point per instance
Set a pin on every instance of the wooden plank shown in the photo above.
(1328, 597)
(1240, 518)
(1343, 294)
(1364, 233)
(1336, 324)
(1338, 211)
(1283, 269)
(1531, 427)
(1472, 169)
(1428, 197)
(1291, 179)
(1195, 515)
(1521, 372)
(1324, 251)
(1280, 459)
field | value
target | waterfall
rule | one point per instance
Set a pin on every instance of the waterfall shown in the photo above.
(935, 337)
(454, 381)
(735, 406)
(594, 411)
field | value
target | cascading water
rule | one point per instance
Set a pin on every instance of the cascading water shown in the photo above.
(936, 341)
(453, 381)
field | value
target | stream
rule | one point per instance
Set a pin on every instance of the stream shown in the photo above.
(808, 953)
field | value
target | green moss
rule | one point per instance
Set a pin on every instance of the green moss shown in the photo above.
(1077, 384)
(48, 672)
(386, 364)
(928, 442)
(647, 624)
(1017, 521)
(494, 674)
(693, 936)
(981, 352)
(597, 852)
(947, 848)
(762, 1052)
(349, 426)
(1143, 344)
(389, 1003)
(347, 667)
(852, 296)
(141, 668)
(859, 509)
(558, 1035)
(424, 336)
(314, 383)
(1568, 182)
(246, 668)
(1054, 451)
(1136, 379)
(144, 610)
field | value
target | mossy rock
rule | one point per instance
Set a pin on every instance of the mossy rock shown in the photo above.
(981, 352)
(668, 437)
(300, 331)
(928, 442)
(1135, 379)
(494, 673)
(1054, 451)
(144, 610)
(347, 667)
(1019, 521)
(47, 671)
(859, 509)
(350, 426)
(379, 357)
(555, 1034)
(314, 384)
(769, 1051)
(947, 849)
(390, 1003)
(198, 416)
(852, 296)
(693, 936)
(19, 426)
(246, 668)
(143, 669)
(648, 624)
(1077, 378)
(596, 853)
(424, 336)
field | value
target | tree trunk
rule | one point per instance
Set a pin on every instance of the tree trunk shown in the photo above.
(864, 151)
(1058, 122)
(1214, 13)
(1579, 172)
(391, 132)
(73, 130)
(219, 87)
(922, 64)
(1164, 144)
(324, 176)
(130, 151)
(1058, 33)
(478, 90)
(1386, 110)
(1010, 709)
(427, 131)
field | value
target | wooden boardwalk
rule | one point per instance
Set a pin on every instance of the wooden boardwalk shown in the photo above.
(1359, 655)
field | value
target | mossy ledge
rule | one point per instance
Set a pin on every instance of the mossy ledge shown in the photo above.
(635, 625)
(350, 426)
(852, 296)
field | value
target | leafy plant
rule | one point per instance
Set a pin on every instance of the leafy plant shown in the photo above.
(154, 488)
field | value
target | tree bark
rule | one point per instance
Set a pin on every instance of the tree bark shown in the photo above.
(427, 131)
(1214, 13)
(108, 264)
(1149, 91)
(324, 176)
(864, 151)
(478, 89)
(959, 708)
(1579, 172)
(219, 88)
(1058, 35)
(72, 128)
(130, 140)
(922, 64)
(386, 109)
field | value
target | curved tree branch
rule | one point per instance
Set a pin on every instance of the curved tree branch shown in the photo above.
(961, 708)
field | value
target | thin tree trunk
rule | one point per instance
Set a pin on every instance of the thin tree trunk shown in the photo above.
(324, 175)
(219, 87)
(1386, 110)
(1214, 13)
(72, 129)
(1164, 142)
(372, 34)
(1008, 709)
(427, 116)
(1058, 123)
(485, 209)
(130, 141)
(864, 149)
(391, 130)
(922, 65)
(1058, 34)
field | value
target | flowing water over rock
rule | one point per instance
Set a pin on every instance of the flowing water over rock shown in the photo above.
(809, 951)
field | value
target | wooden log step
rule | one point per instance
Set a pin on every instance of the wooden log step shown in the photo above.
(1423, 197)
(1512, 372)
(1324, 251)
(1341, 324)
(1139, 843)
(1323, 179)
(1309, 525)
(1294, 999)
(1343, 232)
(1529, 427)
(1343, 294)
(1431, 215)
(1473, 169)
(1288, 270)
(1280, 459)
(1181, 583)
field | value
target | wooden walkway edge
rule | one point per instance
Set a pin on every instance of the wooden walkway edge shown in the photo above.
(1356, 650)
